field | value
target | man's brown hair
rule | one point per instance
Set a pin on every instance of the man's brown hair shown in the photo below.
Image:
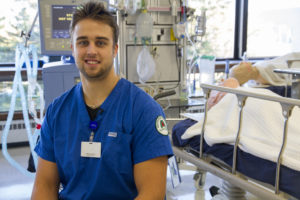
(95, 11)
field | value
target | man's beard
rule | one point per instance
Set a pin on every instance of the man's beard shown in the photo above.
(102, 74)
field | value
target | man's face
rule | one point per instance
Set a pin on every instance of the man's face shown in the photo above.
(93, 49)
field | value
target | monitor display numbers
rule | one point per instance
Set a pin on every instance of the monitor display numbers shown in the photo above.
(61, 19)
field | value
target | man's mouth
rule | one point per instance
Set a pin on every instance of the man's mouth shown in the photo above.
(92, 62)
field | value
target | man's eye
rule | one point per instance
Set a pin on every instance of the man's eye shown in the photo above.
(100, 43)
(83, 43)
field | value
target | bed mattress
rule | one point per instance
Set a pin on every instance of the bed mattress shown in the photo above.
(252, 166)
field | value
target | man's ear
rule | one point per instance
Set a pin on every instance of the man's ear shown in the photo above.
(115, 50)
(72, 48)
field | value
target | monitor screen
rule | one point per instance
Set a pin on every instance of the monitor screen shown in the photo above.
(55, 17)
(61, 19)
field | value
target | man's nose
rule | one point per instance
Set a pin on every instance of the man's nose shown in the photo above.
(91, 48)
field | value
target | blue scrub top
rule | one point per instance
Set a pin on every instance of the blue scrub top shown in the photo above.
(127, 130)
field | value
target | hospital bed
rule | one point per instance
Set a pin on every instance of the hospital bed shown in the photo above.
(240, 171)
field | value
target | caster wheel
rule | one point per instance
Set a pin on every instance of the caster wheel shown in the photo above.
(199, 179)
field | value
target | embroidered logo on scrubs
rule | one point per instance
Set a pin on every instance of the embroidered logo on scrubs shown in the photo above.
(161, 125)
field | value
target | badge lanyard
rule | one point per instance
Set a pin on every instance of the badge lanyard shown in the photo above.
(91, 149)
(93, 126)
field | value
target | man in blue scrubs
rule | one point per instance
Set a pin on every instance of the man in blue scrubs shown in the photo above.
(105, 138)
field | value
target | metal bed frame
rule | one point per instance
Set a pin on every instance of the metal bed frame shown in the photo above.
(231, 176)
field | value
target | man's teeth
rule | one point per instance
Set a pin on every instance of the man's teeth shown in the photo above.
(92, 62)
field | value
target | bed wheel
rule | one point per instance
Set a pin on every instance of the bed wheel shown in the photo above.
(199, 179)
(219, 197)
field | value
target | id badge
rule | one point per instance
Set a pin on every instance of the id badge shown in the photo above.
(91, 149)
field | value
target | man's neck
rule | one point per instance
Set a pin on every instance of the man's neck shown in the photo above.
(96, 91)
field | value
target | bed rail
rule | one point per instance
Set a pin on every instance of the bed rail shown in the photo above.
(287, 106)
(284, 100)
(259, 191)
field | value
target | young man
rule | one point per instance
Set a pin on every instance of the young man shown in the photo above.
(104, 138)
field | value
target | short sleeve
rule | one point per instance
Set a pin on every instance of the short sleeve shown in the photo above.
(148, 140)
(45, 145)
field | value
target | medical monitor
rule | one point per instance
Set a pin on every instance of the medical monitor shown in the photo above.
(55, 17)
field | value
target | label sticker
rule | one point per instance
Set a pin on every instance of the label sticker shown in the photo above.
(112, 134)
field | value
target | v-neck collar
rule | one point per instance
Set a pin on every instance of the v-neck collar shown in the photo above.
(108, 102)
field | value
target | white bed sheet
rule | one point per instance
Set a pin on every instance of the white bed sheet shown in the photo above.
(262, 127)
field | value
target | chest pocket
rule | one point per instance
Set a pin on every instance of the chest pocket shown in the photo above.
(116, 151)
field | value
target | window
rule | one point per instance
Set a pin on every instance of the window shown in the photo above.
(273, 27)
(263, 28)
(16, 16)
(270, 23)
(6, 88)
(220, 25)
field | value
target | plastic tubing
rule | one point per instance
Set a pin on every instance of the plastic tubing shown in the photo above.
(17, 77)
(191, 64)
(184, 6)
(23, 100)
(22, 55)
(33, 86)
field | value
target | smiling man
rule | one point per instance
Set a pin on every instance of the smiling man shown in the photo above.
(105, 138)
(94, 51)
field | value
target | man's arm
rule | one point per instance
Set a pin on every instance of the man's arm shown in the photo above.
(46, 182)
(150, 178)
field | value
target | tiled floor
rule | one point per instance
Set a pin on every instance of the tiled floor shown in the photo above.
(13, 184)
(187, 191)
(16, 186)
